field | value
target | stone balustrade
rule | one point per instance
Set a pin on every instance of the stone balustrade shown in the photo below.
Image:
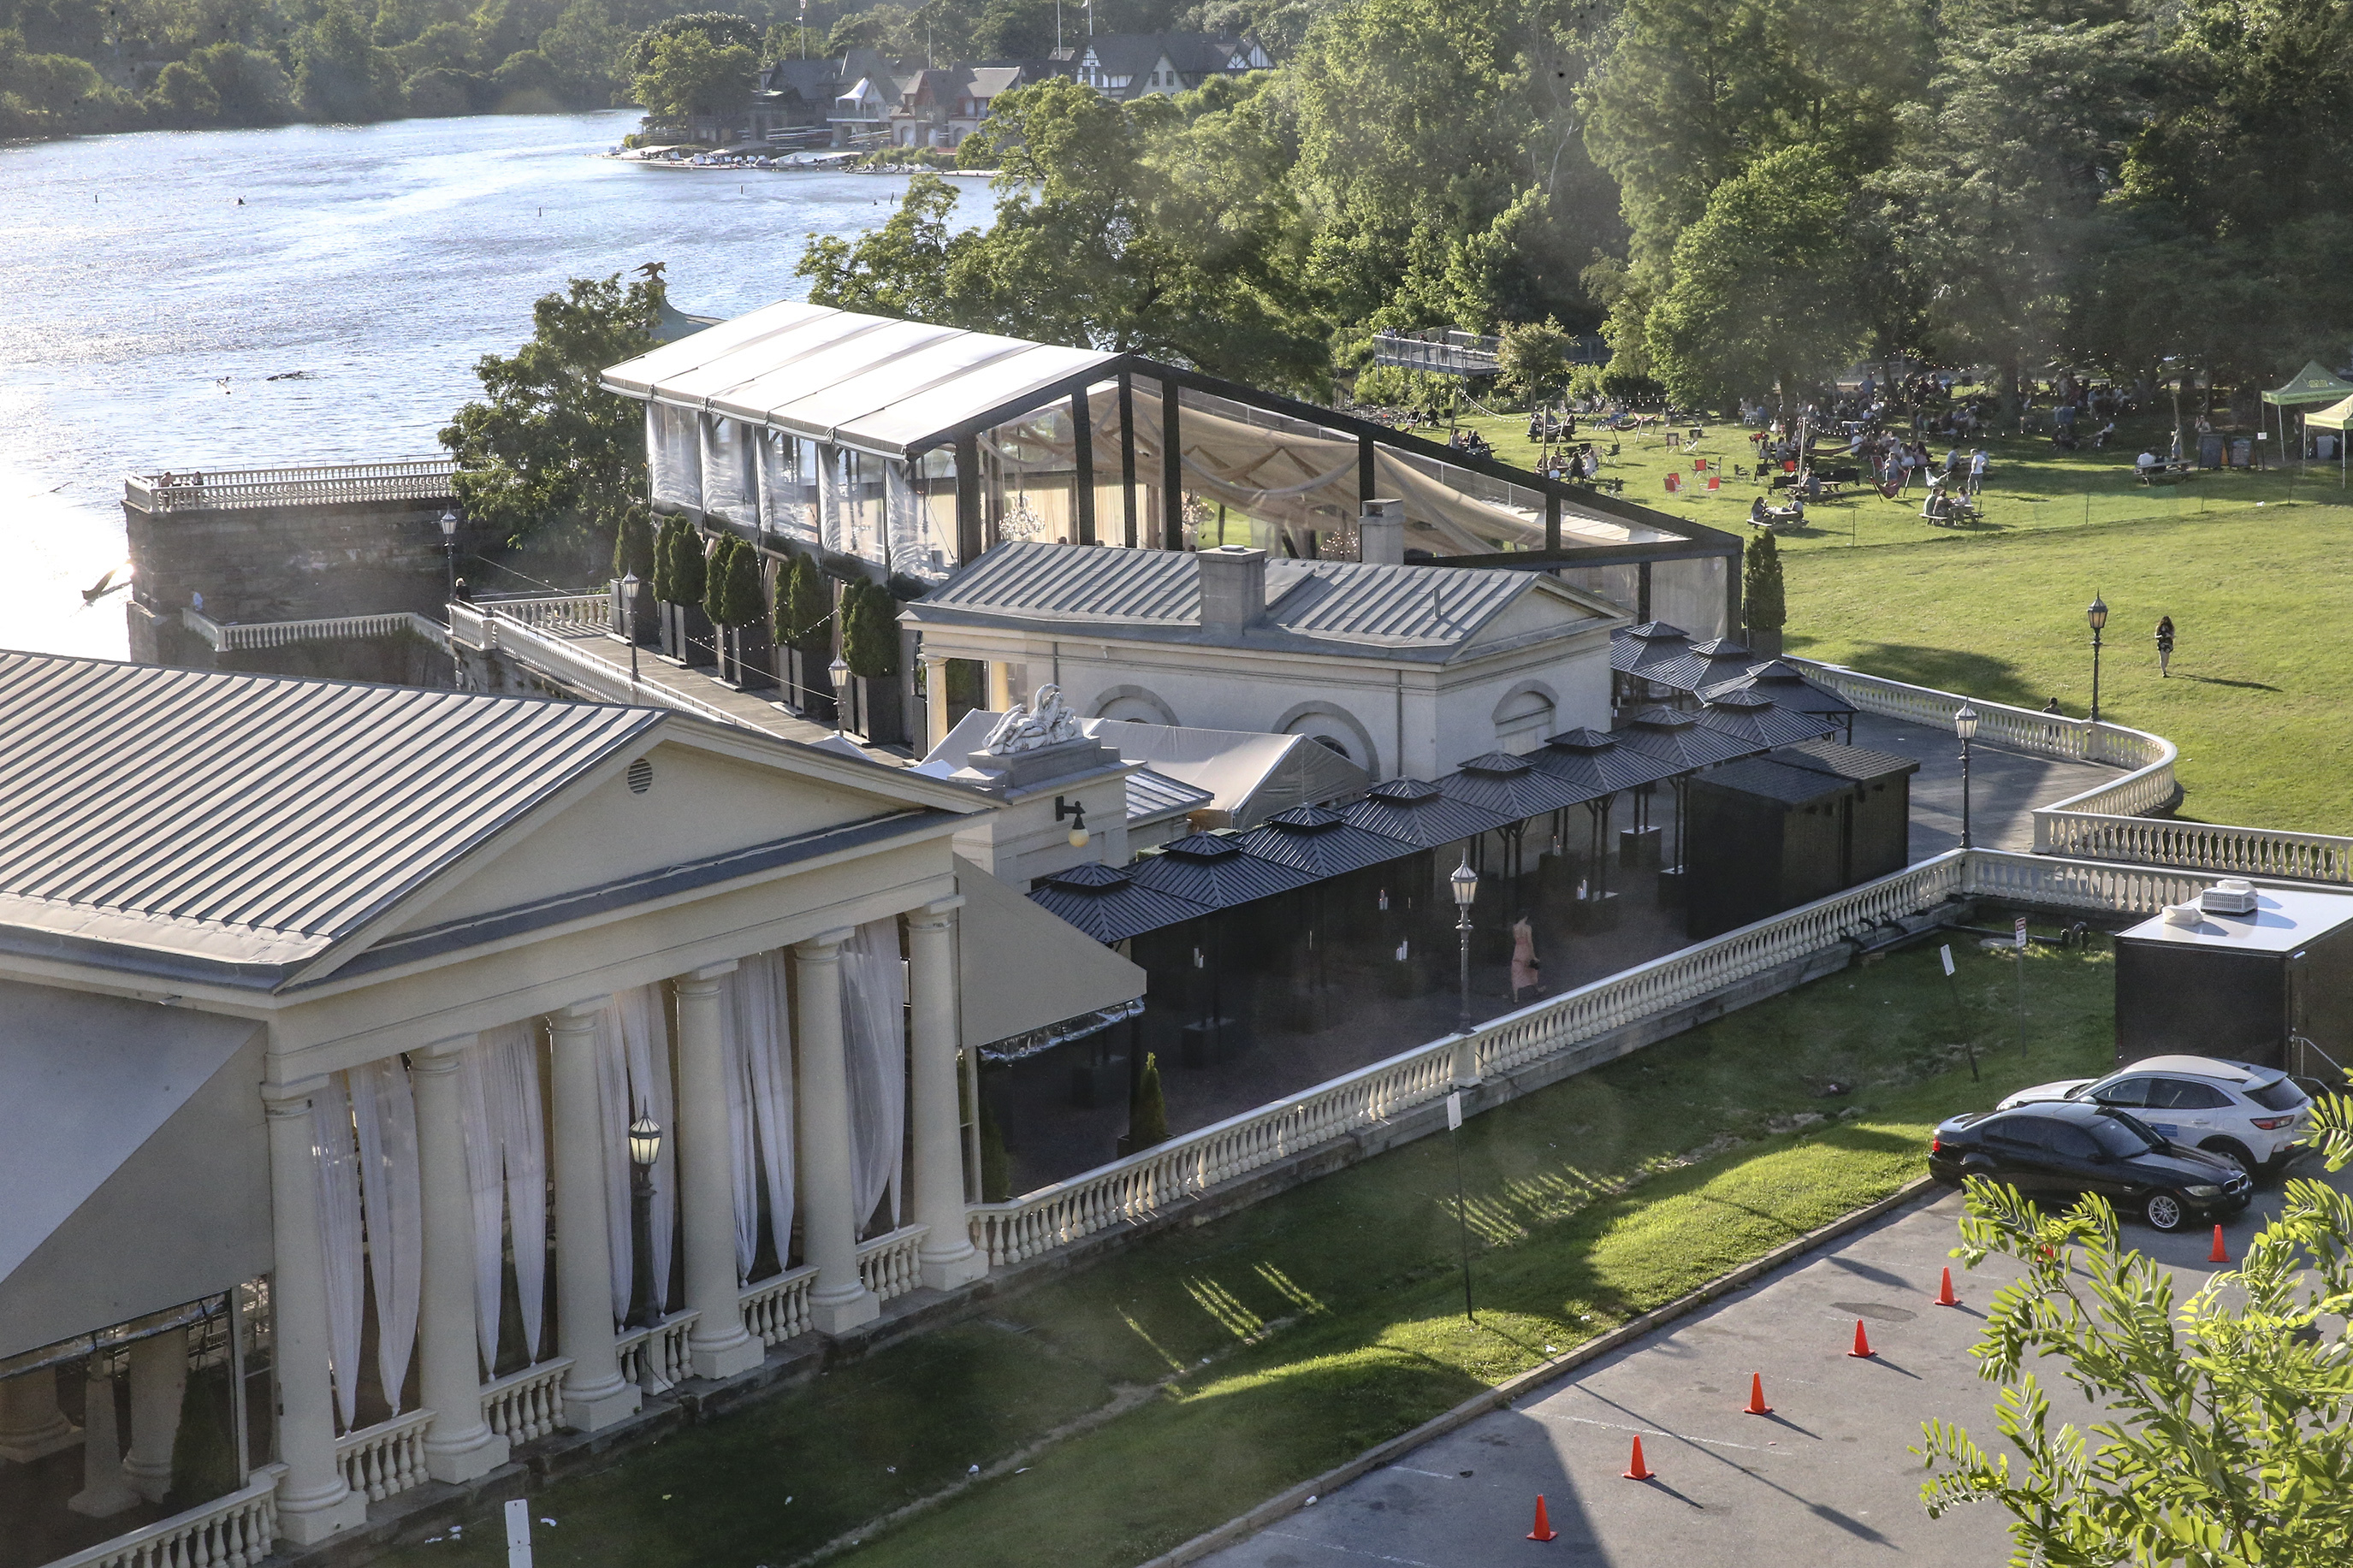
(528, 1404)
(232, 1532)
(387, 1459)
(659, 1350)
(887, 1263)
(776, 1309)
(221, 489)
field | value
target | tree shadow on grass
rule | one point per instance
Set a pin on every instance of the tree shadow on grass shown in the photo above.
(2218, 680)
(1945, 669)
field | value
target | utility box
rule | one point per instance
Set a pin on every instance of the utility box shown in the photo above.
(1797, 824)
(2243, 987)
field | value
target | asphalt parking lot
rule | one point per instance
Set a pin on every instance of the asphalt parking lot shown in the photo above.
(1826, 1480)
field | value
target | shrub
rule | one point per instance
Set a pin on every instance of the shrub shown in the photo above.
(733, 598)
(1761, 595)
(869, 631)
(633, 548)
(1147, 1112)
(689, 570)
(803, 604)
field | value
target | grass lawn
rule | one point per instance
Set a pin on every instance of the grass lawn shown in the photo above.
(1277, 1341)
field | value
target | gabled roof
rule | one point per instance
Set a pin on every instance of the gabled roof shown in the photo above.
(1212, 870)
(1678, 738)
(1421, 814)
(1320, 843)
(1343, 608)
(1105, 902)
(253, 818)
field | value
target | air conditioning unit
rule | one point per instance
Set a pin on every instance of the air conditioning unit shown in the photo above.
(2230, 896)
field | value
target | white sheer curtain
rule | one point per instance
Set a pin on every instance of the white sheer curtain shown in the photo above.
(506, 1175)
(339, 1234)
(760, 1077)
(873, 1008)
(385, 1115)
(731, 487)
(633, 1074)
(674, 453)
(482, 1188)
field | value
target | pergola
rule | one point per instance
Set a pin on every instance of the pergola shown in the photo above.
(915, 448)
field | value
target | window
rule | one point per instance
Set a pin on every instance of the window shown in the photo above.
(2180, 1094)
(2133, 1091)
(2124, 1137)
(2019, 1131)
(2071, 1142)
(2277, 1095)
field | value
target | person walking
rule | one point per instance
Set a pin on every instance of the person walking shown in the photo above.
(1976, 470)
(2164, 647)
(1528, 974)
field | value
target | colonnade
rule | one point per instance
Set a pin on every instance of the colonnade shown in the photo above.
(313, 1499)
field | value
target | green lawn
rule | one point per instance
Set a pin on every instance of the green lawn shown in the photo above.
(1292, 1335)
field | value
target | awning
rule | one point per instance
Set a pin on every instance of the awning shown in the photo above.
(2336, 416)
(136, 1168)
(1023, 970)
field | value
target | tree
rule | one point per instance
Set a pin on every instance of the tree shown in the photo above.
(633, 546)
(688, 576)
(2226, 1439)
(1533, 360)
(1147, 1112)
(869, 631)
(248, 83)
(1766, 285)
(662, 584)
(1015, 30)
(550, 454)
(731, 597)
(804, 609)
(340, 74)
(720, 30)
(690, 74)
(581, 45)
(1764, 603)
(184, 93)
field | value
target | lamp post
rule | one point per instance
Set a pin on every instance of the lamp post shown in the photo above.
(629, 627)
(2098, 615)
(449, 547)
(1964, 725)
(645, 1148)
(839, 670)
(1466, 890)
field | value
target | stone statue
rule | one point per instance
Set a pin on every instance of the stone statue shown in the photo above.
(1046, 721)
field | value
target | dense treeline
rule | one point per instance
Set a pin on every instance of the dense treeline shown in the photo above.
(1742, 195)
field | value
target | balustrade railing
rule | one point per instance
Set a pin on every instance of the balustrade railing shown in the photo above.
(387, 1459)
(568, 662)
(230, 637)
(776, 1309)
(657, 1355)
(583, 612)
(222, 489)
(232, 1532)
(526, 1404)
(887, 1263)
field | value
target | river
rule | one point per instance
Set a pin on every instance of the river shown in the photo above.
(146, 310)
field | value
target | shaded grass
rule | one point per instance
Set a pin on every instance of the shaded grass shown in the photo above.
(1309, 1327)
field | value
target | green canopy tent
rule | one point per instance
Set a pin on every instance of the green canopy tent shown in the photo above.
(2307, 387)
(2336, 416)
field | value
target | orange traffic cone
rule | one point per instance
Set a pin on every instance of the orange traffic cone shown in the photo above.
(1861, 1344)
(2221, 1253)
(1635, 1469)
(1756, 1405)
(1544, 1530)
(1944, 1297)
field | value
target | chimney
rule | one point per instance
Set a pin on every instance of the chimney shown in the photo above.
(1233, 587)
(1380, 533)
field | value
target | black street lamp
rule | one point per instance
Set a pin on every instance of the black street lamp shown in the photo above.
(2098, 615)
(629, 630)
(1964, 725)
(839, 670)
(645, 1148)
(1466, 890)
(450, 548)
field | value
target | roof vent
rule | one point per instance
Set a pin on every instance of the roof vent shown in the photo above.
(641, 777)
(2230, 896)
(2180, 915)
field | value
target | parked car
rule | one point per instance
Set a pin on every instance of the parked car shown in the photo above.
(2251, 1115)
(2056, 1151)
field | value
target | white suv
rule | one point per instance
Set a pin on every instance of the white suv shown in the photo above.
(2249, 1114)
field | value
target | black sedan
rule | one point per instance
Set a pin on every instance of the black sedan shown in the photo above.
(2056, 1151)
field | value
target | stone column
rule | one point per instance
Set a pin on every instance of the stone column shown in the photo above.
(719, 1345)
(105, 1489)
(159, 1381)
(314, 1501)
(31, 1425)
(947, 1256)
(595, 1396)
(840, 1300)
(459, 1445)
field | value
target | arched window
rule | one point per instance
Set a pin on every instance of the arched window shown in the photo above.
(1522, 720)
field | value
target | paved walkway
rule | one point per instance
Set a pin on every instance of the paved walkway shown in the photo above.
(2005, 787)
(1826, 1480)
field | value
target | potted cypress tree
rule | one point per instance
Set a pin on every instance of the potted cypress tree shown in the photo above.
(869, 646)
(687, 632)
(634, 555)
(1148, 1111)
(1763, 600)
(805, 626)
(736, 604)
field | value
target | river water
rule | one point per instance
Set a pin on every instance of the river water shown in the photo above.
(145, 311)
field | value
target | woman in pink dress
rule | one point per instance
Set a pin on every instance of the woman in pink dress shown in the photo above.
(1526, 973)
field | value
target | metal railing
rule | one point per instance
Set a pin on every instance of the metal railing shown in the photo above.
(234, 637)
(1142, 1184)
(1449, 352)
(562, 660)
(526, 1404)
(225, 490)
(387, 1459)
(232, 1532)
(2111, 821)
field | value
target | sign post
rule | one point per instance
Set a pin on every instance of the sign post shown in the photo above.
(1461, 1214)
(2021, 935)
(1960, 1019)
(517, 1533)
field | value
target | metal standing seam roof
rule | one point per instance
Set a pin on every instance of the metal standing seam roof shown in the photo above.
(872, 383)
(1212, 869)
(1105, 902)
(1637, 650)
(1714, 662)
(1775, 782)
(1337, 606)
(1511, 786)
(1153, 795)
(1785, 685)
(1677, 737)
(1597, 765)
(1320, 843)
(1753, 716)
(256, 819)
(1420, 813)
(1856, 764)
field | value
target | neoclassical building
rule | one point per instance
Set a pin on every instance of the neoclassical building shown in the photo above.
(411, 1073)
